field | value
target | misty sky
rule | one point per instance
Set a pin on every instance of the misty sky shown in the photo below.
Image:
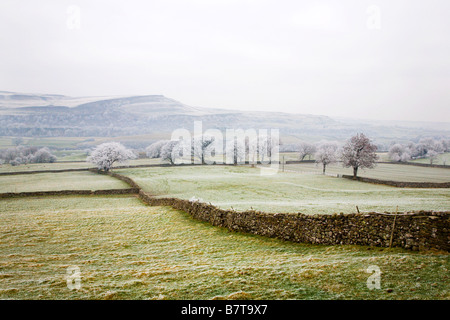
(351, 58)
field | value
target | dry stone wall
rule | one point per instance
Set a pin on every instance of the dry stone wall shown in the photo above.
(421, 230)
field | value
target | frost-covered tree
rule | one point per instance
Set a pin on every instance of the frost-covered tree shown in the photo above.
(431, 148)
(43, 155)
(154, 150)
(432, 155)
(236, 150)
(23, 155)
(305, 149)
(106, 154)
(201, 146)
(266, 147)
(359, 152)
(399, 153)
(170, 151)
(326, 154)
(445, 143)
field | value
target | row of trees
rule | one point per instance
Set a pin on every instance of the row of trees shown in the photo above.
(425, 148)
(23, 155)
(358, 152)
(204, 148)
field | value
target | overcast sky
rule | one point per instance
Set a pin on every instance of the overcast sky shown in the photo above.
(351, 58)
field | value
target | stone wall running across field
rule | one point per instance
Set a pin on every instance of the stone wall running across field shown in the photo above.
(422, 230)
(416, 231)
(400, 184)
(68, 193)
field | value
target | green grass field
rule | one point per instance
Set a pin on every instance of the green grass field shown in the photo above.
(243, 188)
(82, 180)
(126, 250)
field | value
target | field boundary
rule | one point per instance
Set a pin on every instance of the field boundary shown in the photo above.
(418, 164)
(422, 230)
(400, 184)
(96, 170)
(68, 192)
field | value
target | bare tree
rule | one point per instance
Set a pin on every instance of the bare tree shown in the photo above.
(326, 154)
(106, 154)
(359, 152)
(305, 149)
(399, 153)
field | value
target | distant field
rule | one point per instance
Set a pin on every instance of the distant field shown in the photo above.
(69, 165)
(126, 250)
(382, 171)
(59, 181)
(244, 188)
(441, 159)
(45, 166)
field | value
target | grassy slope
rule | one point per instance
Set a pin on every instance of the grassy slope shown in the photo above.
(243, 188)
(126, 250)
(59, 181)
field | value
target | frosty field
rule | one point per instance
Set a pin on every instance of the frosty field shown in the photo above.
(82, 180)
(243, 188)
(383, 171)
(126, 250)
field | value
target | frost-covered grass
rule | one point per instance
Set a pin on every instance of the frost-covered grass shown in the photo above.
(126, 250)
(45, 166)
(443, 158)
(244, 188)
(83, 180)
(71, 165)
(384, 171)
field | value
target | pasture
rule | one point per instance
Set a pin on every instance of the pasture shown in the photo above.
(244, 188)
(383, 171)
(82, 180)
(126, 250)
(63, 165)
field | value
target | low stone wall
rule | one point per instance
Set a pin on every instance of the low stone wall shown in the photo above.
(69, 192)
(12, 173)
(416, 231)
(418, 164)
(400, 184)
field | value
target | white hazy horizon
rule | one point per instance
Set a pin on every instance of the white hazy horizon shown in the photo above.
(380, 60)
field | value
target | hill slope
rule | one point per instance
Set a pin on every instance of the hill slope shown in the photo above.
(57, 115)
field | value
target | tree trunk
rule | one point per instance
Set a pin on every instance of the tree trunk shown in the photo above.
(355, 172)
(324, 166)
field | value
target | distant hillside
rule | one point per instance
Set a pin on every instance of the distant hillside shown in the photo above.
(47, 115)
